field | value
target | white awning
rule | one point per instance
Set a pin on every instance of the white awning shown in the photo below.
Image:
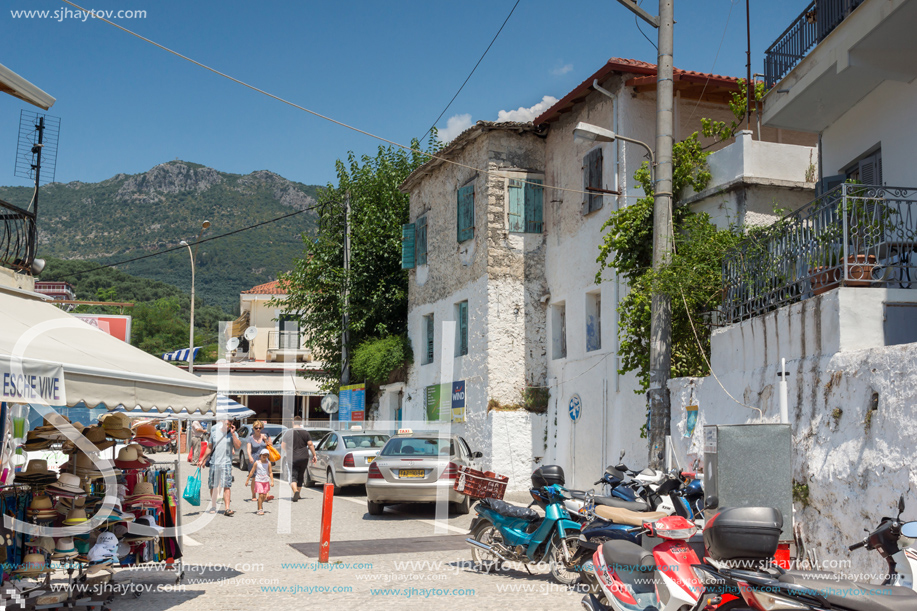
(16, 86)
(261, 383)
(38, 338)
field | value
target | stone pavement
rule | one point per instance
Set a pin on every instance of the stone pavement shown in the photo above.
(240, 562)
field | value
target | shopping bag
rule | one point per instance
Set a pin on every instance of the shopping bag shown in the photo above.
(273, 454)
(192, 492)
(190, 452)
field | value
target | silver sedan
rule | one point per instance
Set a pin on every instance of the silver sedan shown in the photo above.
(419, 468)
(343, 457)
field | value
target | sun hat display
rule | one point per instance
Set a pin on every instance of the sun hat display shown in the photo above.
(32, 566)
(149, 433)
(143, 495)
(75, 516)
(43, 543)
(129, 459)
(36, 472)
(116, 425)
(140, 456)
(87, 466)
(94, 435)
(66, 504)
(41, 507)
(64, 549)
(67, 484)
(34, 442)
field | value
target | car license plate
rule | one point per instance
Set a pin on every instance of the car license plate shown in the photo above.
(369, 459)
(411, 472)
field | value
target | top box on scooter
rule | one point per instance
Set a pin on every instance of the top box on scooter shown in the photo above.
(548, 475)
(743, 533)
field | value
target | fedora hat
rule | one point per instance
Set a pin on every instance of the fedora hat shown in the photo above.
(41, 507)
(129, 459)
(116, 425)
(36, 472)
(76, 515)
(32, 565)
(143, 490)
(64, 549)
(68, 484)
(140, 456)
(34, 441)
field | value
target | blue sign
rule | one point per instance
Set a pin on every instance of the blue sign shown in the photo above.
(458, 394)
(576, 407)
(351, 402)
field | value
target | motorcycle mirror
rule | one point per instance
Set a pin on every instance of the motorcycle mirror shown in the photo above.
(621, 457)
(712, 502)
(900, 505)
(909, 530)
(659, 456)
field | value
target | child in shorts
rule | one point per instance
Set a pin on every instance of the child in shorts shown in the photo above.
(264, 478)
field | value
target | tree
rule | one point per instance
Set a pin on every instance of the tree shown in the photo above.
(377, 284)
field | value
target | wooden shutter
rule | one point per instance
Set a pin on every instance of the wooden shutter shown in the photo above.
(407, 246)
(430, 330)
(465, 209)
(592, 178)
(463, 328)
(421, 237)
(868, 170)
(517, 203)
(534, 206)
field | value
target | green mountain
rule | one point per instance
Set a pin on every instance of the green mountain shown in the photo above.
(129, 216)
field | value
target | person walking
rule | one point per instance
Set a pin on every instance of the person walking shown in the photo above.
(197, 436)
(262, 477)
(256, 442)
(297, 444)
(223, 442)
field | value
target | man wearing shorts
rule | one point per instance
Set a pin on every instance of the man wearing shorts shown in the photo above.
(297, 444)
(223, 443)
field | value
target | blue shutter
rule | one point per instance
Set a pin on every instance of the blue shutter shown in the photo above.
(421, 246)
(517, 201)
(534, 206)
(407, 246)
(463, 328)
(465, 212)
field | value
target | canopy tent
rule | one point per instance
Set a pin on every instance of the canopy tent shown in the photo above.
(226, 409)
(48, 356)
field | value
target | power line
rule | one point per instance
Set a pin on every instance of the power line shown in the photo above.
(319, 115)
(472, 71)
(732, 4)
(642, 32)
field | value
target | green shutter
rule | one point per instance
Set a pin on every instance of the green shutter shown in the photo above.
(463, 328)
(421, 246)
(534, 206)
(430, 330)
(517, 205)
(407, 246)
(592, 177)
(465, 212)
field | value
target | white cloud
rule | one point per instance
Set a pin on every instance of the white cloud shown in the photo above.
(527, 114)
(562, 70)
(455, 126)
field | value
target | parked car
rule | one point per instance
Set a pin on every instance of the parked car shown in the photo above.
(317, 434)
(343, 458)
(271, 430)
(417, 468)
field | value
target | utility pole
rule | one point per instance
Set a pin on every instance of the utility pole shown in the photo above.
(661, 312)
(345, 335)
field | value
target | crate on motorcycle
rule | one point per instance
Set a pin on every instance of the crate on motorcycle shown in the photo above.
(548, 475)
(478, 484)
(743, 533)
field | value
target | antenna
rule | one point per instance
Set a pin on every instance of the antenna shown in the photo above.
(232, 344)
(250, 333)
(37, 150)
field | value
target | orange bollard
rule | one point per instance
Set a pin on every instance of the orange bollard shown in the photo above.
(325, 539)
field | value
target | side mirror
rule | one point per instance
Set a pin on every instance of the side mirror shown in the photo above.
(711, 502)
(900, 505)
(621, 457)
(477, 454)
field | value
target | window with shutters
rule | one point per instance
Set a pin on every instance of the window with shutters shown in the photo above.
(408, 238)
(461, 328)
(867, 169)
(592, 179)
(428, 331)
(559, 331)
(593, 321)
(526, 205)
(420, 245)
(465, 212)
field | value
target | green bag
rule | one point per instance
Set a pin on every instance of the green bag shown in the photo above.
(192, 492)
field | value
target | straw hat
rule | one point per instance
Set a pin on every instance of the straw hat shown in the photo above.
(143, 494)
(75, 516)
(129, 459)
(87, 466)
(140, 456)
(34, 441)
(64, 549)
(67, 484)
(94, 435)
(43, 543)
(40, 505)
(64, 505)
(116, 425)
(148, 432)
(32, 565)
(36, 472)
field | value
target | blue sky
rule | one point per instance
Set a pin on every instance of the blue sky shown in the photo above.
(385, 67)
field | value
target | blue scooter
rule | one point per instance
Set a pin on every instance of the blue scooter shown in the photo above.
(506, 533)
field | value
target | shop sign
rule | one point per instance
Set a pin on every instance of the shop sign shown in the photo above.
(352, 402)
(31, 382)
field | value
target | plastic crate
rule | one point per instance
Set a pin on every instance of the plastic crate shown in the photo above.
(479, 484)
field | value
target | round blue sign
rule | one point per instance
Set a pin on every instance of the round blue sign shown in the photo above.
(576, 406)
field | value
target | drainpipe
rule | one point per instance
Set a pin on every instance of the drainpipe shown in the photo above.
(782, 393)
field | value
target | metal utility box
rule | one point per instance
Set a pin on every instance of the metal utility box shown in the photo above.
(750, 465)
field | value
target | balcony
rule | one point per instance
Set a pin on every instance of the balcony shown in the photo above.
(815, 22)
(853, 235)
(286, 343)
(17, 237)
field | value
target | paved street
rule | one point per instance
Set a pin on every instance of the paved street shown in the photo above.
(236, 560)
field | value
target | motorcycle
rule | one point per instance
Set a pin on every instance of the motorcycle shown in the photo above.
(506, 533)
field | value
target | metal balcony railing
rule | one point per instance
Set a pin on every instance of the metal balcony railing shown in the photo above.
(283, 340)
(853, 235)
(17, 237)
(815, 22)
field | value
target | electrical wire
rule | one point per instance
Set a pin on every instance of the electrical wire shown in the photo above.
(472, 71)
(637, 21)
(319, 115)
(732, 4)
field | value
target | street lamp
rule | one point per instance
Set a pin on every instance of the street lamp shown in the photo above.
(585, 133)
(193, 254)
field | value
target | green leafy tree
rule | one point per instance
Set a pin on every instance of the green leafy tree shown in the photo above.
(377, 284)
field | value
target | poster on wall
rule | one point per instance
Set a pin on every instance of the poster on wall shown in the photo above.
(690, 419)
(445, 402)
(352, 402)
(115, 325)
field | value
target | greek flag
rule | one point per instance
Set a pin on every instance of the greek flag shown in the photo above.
(180, 355)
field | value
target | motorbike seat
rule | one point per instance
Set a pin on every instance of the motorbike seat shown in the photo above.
(510, 511)
(610, 501)
(627, 557)
(623, 516)
(851, 594)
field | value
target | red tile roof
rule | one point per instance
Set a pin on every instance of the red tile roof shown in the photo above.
(268, 288)
(711, 82)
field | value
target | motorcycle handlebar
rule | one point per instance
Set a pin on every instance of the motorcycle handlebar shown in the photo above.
(857, 545)
(598, 482)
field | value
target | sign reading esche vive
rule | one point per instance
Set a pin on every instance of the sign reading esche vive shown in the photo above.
(31, 382)
(446, 402)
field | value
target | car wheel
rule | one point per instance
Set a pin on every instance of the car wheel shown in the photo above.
(375, 509)
(307, 481)
(461, 509)
(330, 480)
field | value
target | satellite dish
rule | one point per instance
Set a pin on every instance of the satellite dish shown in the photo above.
(250, 333)
(330, 404)
(232, 344)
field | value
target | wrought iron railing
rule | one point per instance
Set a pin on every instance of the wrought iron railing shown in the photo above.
(283, 340)
(815, 22)
(853, 235)
(17, 237)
